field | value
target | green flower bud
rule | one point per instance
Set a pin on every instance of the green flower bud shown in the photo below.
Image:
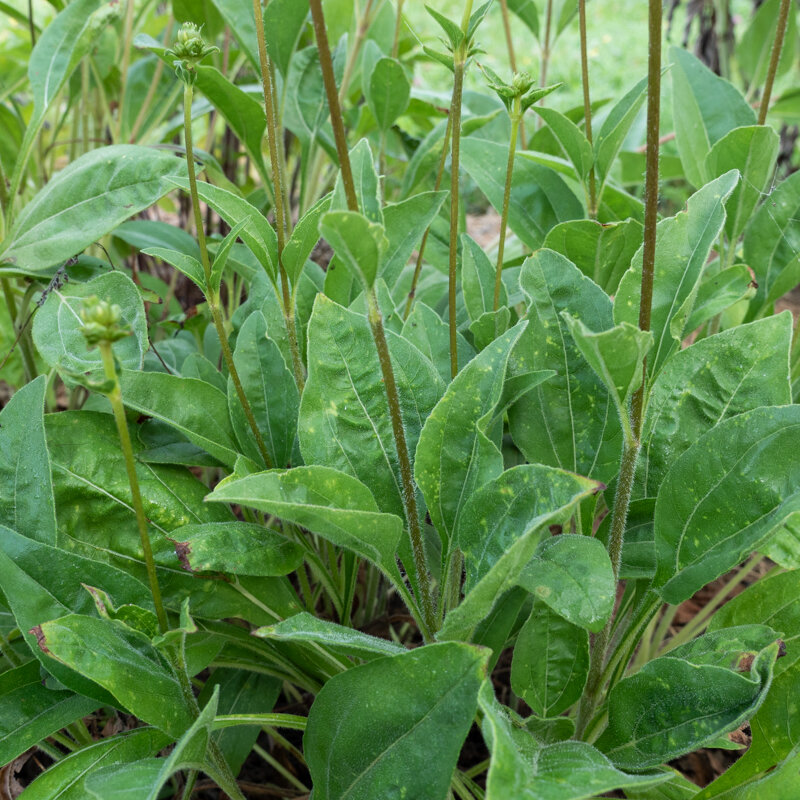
(189, 50)
(102, 321)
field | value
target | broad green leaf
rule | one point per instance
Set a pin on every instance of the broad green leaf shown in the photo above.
(122, 661)
(195, 408)
(26, 486)
(772, 241)
(570, 420)
(330, 503)
(456, 453)
(526, 11)
(29, 711)
(388, 92)
(43, 582)
(616, 355)
(429, 333)
(718, 292)
(754, 49)
(551, 662)
(540, 198)
(85, 201)
(753, 151)
(714, 379)
(240, 547)
(499, 529)
(523, 769)
(142, 233)
(601, 252)
(337, 638)
(405, 223)
(452, 29)
(185, 264)
(417, 707)
(779, 782)
(573, 575)
(705, 108)
(616, 126)
(257, 233)
(283, 23)
(477, 280)
(222, 254)
(95, 516)
(683, 245)
(303, 239)
(575, 145)
(357, 242)
(57, 325)
(675, 705)
(271, 390)
(238, 14)
(66, 779)
(344, 415)
(366, 184)
(742, 475)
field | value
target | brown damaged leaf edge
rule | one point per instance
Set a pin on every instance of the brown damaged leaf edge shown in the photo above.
(40, 640)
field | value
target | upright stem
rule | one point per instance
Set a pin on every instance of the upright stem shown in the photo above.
(512, 58)
(516, 118)
(280, 200)
(777, 47)
(397, 25)
(212, 296)
(587, 105)
(126, 62)
(545, 51)
(115, 398)
(378, 335)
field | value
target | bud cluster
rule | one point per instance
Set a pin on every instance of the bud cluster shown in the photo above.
(102, 321)
(189, 50)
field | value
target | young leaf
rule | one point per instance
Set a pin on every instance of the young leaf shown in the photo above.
(26, 485)
(308, 628)
(395, 724)
(283, 23)
(85, 201)
(682, 248)
(303, 239)
(222, 253)
(615, 128)
(754, 49)
(526, 11)
(240, 547)
(575, 145)
(753, 450)
(366, 182)
(388, 92)
(185, 264)
(551, 662)
(477, 280)
(358, 243)
(572, 574)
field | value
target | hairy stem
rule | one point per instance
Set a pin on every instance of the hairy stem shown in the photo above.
(212, 296)
(516, 118)
(777, 47)
(512, 58)
(115, 398)
(587, 105)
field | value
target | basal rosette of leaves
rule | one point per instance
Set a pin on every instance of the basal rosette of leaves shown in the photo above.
(296, 473)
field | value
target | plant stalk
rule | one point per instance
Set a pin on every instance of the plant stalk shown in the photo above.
(125, 67)
(512, 58)
(545, 52)
(777, 47)
(280, 200)
(397, 25)
(516, 119)
(211, 296)
(115, 398)
(587, 106)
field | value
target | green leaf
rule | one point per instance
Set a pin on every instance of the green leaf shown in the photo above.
(540, 199)
(615, 128)
(358, 243)
(239, 547)
(271, 390)
(683, 245)
(569, 421)
(257, 233)
(754, 49)
(29, 711)
(142, 233)
(526, 11)
(551, 662)
(195, 408)
(674, 705)
(344, 415)
(66, 779)
(772, 241)
(616, 355)
(388, 92)
(185, 264)
(284, 21)
(304, 238)
(705, 108)
(366, 184)
(456, 453)
(742, 474)
(601, 252)
(753, 151)
(238, 14)
(26, 485)
(522, 769)
(454, 33)
(714, 379)
(417, 707)
(122, 661)
(573, 575)
(85, 201)
(718, 292)
(575, 145)
(327, 502)
(499, 529)
(336, 638)
(477, 280)
(221, 255)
